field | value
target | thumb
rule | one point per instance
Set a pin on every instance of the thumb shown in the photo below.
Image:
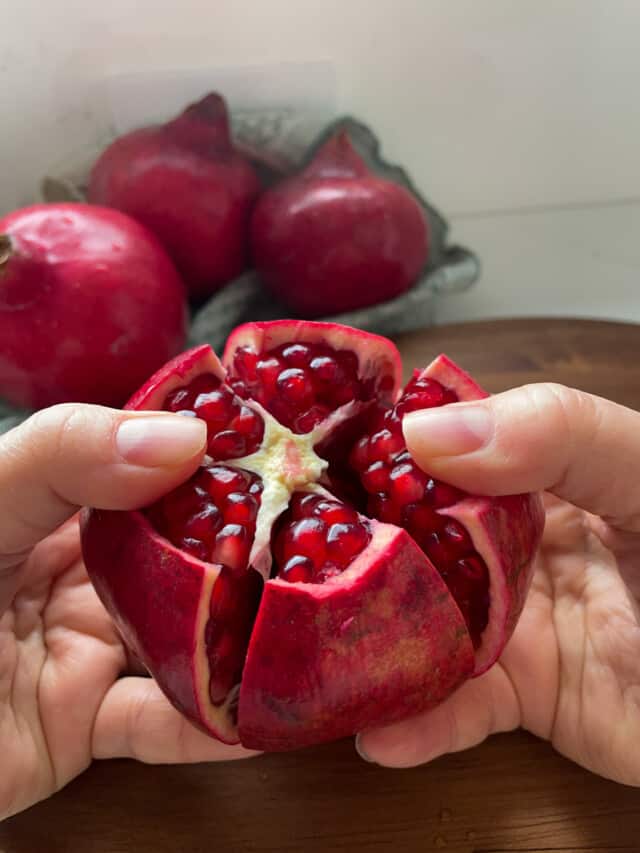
(71, 455)
(582, 448)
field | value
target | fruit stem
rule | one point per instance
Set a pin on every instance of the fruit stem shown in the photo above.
(338, 157)
(6, 249)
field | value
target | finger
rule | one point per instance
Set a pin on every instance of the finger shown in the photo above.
(582, 448)
(74, 455)
(480, 708)
(136, 720)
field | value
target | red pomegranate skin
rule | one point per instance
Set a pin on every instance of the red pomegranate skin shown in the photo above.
(336, 237)
(89, 304)
(387, 634)
(186, 182)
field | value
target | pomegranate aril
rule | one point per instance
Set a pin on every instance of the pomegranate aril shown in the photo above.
(219, 481)
(245, 363)
(240, 509)
(333, 512)
(268, 370)
(296, 355)
(307, 537)
(215, 407)
(449, 397)
(232, 547)
(457, 539)
(346, 541)
(420, 520)
(384, 509)
(221, 596)
(406, 483)
(295, 387)
(203, 384)
(384, 444)
(227, 444)
(348, 360)
(345, 392)
(302, 504)
(310, 419)
(298, 569)
(247, 423)
(376, 477)
(194, 547)
(178, 400)
(204, 524)
(360, 455)
(325, 369)
(440, 495)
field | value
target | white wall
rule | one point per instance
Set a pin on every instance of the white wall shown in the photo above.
(520, 119)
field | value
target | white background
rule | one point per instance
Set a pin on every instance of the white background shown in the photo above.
(519, 119)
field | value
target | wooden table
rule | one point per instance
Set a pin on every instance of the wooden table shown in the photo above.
(510, 794)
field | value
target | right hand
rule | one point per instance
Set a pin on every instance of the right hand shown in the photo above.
(571, 673)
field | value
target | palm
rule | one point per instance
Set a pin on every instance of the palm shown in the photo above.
(571, 673)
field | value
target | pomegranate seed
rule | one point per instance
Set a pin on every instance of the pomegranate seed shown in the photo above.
(348, 361)
(326, 369)
(384, 444)
(248, 423)
(303, 503)
(440, 495)
(203, 384)
(195, 547)
(406, 483)
(436, 549)
(216, 407)
(295, 387)
(420, 519)
(182, 503)
(245, 362)
(311, 418)
(221, 596)
(306, 537)
(332, 512)
(346, 541)
(457, 539)
(227, 445)
(205, 524)
(219, 481)
(240, 508)
(327, 572)
(376, 477)
(296, 355)
(231, 547)
(345, 393)
(268, 371)
(178, 400)
(298, 569)
(449, 397)
(360, 456)
(473, 570)
(384, 509)
(256, 487)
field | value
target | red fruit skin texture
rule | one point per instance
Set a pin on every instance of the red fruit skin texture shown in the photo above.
(90, 305)
(186, 182)
(327, 661)
(158, 597)
(336, 237)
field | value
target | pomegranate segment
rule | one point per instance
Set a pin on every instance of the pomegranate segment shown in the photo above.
(311, 613)
(300, 384)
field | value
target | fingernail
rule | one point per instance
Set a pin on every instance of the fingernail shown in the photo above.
(156, 441)
(361, 752)
(450, 431)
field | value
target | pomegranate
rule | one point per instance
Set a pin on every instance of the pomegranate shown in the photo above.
(186, 182)
(337, 237)
(270, 610)
(90, 304)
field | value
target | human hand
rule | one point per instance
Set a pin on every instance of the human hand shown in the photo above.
(571, 673)
(63, 697)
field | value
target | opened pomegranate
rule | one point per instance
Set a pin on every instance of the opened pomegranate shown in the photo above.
(275, 613)
(186, 182)
(337, 237)
(90, 305)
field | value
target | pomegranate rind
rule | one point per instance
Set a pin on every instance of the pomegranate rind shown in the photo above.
(176, 373)
(505, 531)
(158, 597)
(381, 642)
(377, 356)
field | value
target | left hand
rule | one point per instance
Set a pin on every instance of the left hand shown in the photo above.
(65, 695)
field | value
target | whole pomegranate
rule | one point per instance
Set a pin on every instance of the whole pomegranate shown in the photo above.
(271, 610)
(90, 304)
(337, 237)
(186, 182)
